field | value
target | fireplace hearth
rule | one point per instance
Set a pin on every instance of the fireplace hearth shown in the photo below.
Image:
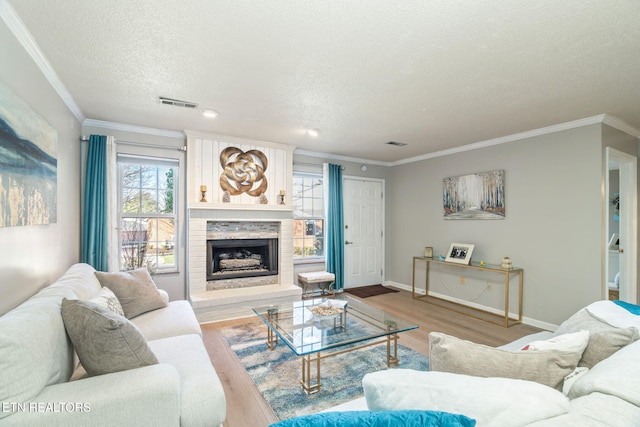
(241, 258)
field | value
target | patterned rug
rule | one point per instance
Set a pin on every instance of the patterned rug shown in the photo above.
(277, 373)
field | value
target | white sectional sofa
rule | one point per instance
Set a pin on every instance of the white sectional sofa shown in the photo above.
(37, 361)
(604, 389)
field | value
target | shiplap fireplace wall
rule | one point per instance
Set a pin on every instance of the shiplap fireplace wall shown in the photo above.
(204, 168)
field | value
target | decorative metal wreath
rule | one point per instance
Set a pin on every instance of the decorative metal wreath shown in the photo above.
(243, 171)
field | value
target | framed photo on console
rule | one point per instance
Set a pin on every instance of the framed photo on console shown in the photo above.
(460, 253)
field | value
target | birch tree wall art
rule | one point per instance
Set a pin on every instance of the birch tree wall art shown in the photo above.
(475, 196)
(28, 164)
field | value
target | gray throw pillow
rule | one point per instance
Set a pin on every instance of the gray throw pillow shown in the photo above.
(105, 341)
(135, 290)
(451, 354)
(604, 339)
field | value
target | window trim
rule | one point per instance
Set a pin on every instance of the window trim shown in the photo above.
(312, 259)
(156, 161)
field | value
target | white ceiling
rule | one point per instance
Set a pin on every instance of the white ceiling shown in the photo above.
(433, 74)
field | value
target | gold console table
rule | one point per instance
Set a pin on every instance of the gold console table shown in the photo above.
(477, 313)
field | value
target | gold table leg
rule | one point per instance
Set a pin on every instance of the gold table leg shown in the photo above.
(272, 337)
(306, 381)
(392, 347)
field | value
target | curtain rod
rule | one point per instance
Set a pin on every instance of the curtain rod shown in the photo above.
(317, 165)
(85, 138)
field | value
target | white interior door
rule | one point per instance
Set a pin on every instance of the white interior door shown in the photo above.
(363, 234)
(627, 249)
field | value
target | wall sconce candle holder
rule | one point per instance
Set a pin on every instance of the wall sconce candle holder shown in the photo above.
(203, 190)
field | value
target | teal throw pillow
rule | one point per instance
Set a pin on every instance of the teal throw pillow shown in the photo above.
(404, 418)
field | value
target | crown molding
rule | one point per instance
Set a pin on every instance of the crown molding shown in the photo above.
(238, 140)
(133, 128)
(621, 125)
(602, 118)
(343, 158)
(18, 29)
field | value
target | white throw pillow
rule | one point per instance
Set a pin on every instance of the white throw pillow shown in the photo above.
(574, 342)
(107, 299)
(490, 401)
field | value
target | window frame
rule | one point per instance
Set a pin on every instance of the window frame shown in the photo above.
(154, 161)
(301, 259)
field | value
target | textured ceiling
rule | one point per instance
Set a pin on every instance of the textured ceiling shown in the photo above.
(433, 74)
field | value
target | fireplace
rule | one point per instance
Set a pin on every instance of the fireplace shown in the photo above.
(241, 258)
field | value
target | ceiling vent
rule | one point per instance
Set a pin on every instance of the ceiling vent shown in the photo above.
(398, 144)
(177, 102)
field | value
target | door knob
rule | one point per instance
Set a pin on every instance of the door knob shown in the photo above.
(346, 242)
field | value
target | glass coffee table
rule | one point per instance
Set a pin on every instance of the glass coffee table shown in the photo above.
(315, 329)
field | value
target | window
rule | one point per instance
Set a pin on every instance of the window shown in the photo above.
(308, 235)
(148, 213)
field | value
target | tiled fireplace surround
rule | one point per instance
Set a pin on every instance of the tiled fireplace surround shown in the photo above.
(235, 297)
(245, 212)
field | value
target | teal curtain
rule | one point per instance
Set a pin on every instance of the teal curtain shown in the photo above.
(95, 216)
(335, 225)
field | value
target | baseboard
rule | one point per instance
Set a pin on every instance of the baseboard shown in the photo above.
(526, 320)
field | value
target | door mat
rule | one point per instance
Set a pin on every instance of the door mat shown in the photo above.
(370, 291)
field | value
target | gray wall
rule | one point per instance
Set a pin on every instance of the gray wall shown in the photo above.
(553, 224)
(34, 256)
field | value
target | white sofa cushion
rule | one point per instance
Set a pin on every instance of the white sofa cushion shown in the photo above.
(595, 410)
(490, 401)
(177, 318)
(34, 350)
(618, 375)
(202, 399)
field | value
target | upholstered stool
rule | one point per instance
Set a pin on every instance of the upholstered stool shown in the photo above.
(323, 279)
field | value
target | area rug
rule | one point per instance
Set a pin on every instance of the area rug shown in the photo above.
(370, 291)
(277, 373)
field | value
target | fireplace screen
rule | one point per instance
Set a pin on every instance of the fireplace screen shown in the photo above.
(237, 258)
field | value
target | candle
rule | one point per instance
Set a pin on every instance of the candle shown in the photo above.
(282, 192)
(203, 188)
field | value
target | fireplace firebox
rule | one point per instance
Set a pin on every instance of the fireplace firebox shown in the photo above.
(239, 258)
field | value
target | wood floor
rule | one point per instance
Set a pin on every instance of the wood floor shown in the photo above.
(245, 405)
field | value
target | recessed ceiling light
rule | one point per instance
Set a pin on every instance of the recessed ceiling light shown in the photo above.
(210, 113)
(314, 132)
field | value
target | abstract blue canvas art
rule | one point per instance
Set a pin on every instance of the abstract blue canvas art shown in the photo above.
(28, 164)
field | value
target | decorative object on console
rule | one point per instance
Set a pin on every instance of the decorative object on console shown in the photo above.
(428, 252)
(263, 199)
(203, 190)
(282, 197)
(506, 262)
(460, 253)
(243, 172)
(226, 197)
(475, 196)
